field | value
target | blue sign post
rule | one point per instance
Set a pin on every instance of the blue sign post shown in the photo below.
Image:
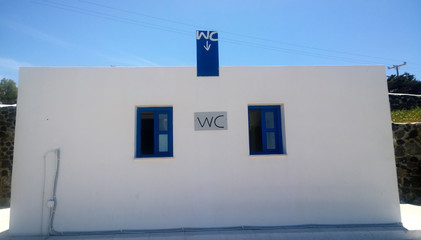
(207, 53)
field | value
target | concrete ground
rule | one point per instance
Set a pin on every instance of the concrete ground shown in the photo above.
(411, 216)
(411, 221)
(4, 219)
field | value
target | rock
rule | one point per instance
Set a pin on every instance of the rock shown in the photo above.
(412, 148)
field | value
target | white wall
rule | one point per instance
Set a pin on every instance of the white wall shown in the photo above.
(339, 167)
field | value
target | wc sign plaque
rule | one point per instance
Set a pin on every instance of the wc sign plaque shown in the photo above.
(207, 53)
(210, 121)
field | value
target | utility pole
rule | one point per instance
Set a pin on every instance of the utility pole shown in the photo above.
(397, 68)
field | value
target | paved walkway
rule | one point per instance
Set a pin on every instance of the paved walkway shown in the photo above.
(411, 230)
(411, 216)
(4, 219)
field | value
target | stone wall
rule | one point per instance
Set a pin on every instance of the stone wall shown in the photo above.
(7, 135)
(404, 101)
(407, 141)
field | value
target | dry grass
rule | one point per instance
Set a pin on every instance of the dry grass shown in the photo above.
(406, 116)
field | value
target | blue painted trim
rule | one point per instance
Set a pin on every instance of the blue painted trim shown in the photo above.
(276, 109)
(156, 111)
(207, 55)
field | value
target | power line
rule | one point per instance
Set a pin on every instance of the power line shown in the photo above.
(252, 43)
(108, 16)
(137, 13)
(235, 34)
(300, 52)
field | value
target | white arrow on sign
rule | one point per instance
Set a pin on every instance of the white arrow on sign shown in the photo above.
(207, 46)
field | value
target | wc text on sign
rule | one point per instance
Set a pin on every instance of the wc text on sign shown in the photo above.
(210, 121)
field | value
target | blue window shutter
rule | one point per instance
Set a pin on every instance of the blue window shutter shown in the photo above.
(166, 133)
(273, 133)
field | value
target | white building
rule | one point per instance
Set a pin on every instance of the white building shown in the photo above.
(281, 146)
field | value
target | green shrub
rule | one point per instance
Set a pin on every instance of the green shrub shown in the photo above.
(405, 116)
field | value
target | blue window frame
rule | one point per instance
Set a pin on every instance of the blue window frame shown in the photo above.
(154, 132)
(265, 130)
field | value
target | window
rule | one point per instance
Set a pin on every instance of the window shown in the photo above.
(265, 130)
(154, 132)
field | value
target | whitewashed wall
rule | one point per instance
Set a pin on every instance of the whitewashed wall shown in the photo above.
(339, 167)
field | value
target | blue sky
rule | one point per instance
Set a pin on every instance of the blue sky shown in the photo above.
(251, 32)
